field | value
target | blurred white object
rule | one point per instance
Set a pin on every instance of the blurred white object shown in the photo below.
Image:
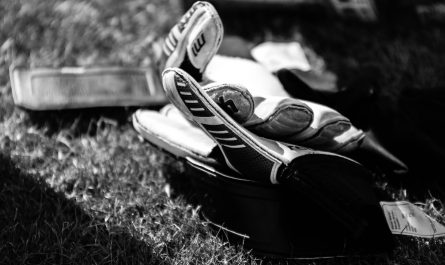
(278, 55)
(78, 87)
(432, 12)
(247, 73)
(405, 218)
(362, 9)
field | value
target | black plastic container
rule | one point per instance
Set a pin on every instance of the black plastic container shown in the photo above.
(273, 220)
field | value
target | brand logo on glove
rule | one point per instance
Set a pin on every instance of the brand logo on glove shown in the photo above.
(199, 43)
(228, 105)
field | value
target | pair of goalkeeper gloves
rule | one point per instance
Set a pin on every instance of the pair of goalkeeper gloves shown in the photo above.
(233, 117)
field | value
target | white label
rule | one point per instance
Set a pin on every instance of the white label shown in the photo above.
(405, 218)
(275, 56)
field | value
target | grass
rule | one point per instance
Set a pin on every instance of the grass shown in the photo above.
(82, 187)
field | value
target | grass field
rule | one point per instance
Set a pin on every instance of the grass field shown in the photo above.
(81, 187)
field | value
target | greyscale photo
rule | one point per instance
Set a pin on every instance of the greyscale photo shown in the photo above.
(222, 132)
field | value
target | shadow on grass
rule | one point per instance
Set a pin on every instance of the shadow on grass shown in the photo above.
(41, 226)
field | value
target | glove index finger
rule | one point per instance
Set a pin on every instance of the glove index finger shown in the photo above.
(279, 117)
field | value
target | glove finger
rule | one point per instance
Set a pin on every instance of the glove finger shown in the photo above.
(303, 123)
(329, 131)
(279, 117)
(171, 132)
(235, 100)
(194, 40)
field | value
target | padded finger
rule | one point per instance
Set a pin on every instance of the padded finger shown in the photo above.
(194, 40)
(304, 123)
(235, 100)
(279, 117)
(172, 132)
(329, 131)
